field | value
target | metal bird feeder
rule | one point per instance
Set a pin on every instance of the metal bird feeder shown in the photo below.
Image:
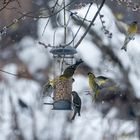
(63, 57)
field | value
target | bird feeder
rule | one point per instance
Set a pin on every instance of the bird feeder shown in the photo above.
(63, 57)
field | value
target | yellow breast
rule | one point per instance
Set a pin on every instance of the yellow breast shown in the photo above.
(133, 28)
(91, 82)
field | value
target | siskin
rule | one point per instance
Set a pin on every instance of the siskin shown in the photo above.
(131, 31)
(48, 88)
(76, 104)
(96, 84)
(69, 71)
(93, 85)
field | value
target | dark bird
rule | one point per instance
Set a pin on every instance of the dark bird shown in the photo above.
(76, 104)
(69, 71)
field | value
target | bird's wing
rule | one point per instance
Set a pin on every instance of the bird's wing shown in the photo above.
(77, 102)
(123, 27)
(105, 82)
(101, 80)
(75, 112)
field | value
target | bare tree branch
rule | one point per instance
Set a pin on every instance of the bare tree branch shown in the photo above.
(106, 50)
(5, 5)
(88, 28)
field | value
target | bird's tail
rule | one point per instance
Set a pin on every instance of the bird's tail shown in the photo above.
(127, 40)
(79, 114)
(124, 47)
(73, 117)
(95, 95)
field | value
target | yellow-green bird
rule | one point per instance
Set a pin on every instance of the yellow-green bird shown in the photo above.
(131, 31)
(96, 84)
(93, 85)
(69, 71)
(48, 88)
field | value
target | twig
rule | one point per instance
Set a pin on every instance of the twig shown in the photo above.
(83, 20)
(12, 74)
(94, 18)
(16, 75)
(31, 16)
(5, 5)
(43, 44)
(53, 8)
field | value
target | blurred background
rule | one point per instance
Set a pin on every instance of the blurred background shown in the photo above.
(27, 30)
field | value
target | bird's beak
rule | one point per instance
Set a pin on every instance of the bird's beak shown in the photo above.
(88, 73)
(72, 93)
(73, 80)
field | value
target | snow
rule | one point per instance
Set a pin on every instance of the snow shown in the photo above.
(33, 56)
(54, 125)
(95, 54)
(80, 80)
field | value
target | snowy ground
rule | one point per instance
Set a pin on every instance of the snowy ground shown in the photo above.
(48, 124)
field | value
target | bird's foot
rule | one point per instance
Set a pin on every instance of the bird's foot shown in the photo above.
(88, 92)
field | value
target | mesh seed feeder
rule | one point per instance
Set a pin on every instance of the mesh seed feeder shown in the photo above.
(63, 57)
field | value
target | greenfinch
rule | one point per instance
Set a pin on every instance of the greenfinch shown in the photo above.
(100, 83)
(48, 88)
(131, 31)
(69, 71)
(93, 85)
(76, 104)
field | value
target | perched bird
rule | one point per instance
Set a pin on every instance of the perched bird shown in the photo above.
(76, 104)
(48, 89)
(99, 83)
(69, 71)
(131, 31)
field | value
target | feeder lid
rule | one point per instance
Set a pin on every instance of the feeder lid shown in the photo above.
(63, 51)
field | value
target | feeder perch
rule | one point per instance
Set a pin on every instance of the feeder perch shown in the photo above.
(63, 57)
